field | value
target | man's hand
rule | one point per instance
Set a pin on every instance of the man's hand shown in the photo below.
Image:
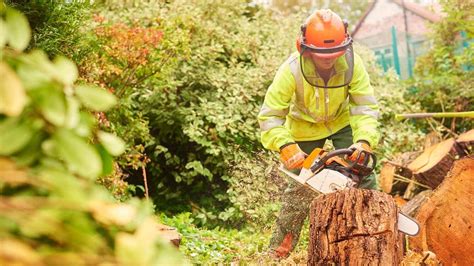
(359, 148)
(292, 156)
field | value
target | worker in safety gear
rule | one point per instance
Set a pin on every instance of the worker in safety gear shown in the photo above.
(321, 92)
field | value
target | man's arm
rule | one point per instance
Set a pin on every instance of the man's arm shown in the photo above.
(275, 107)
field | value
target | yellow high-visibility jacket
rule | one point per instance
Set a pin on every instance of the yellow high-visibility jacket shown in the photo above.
(293, 110)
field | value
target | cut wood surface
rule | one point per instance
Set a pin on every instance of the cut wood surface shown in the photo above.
(466, 142)
(433, 164)
(354, 227)
(446, 218)
(394, 175)
(169, 233)
(387, 174)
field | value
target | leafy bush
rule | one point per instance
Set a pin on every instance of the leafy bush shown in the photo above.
(207, 122)
(188, 109)
(51, 152)
(444, 79)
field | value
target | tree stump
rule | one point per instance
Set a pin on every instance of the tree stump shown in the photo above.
(446, 219)
(354, 227)
(433, 164)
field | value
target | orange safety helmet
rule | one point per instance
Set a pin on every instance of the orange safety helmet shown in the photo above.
(325, 34)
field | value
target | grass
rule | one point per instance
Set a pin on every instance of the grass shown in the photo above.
(230, 246)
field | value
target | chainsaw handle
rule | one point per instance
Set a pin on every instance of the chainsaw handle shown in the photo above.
(328, 156)
(363, 168)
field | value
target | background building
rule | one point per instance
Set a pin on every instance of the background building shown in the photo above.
(397, 31)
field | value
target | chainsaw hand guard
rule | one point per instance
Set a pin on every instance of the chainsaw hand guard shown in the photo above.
(356, 170)
(364, 164)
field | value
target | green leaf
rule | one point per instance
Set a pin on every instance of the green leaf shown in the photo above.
(95, 98)
(32, 77)
(80, 157)
(18, 29)
(72, 113)
(198, 168)
(113, 144)
(52, 104)
(32, 150)
(66, 70)
(107, 161)
(14, 135)
(3, 36)
(86, 122)
(40, 59)
(12, 94)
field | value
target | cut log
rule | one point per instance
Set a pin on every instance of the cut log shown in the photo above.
(446, 219)
(433, 164)
(387, 173)
(169, 233)
(354, 227)
(411, 207)
(465, 142)
(391, 176)
(394, 171)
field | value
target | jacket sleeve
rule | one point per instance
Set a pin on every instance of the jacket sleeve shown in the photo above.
(363, 106)
(272, 115)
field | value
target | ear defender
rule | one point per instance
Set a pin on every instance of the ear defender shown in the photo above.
(302, 38)
(346, 25)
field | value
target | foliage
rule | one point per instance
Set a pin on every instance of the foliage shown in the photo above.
(51, 151)
(188, 106)
(397, 137)
(124, 57)
(443, 79)
(254, 190)
(56, 25)
(206, 123)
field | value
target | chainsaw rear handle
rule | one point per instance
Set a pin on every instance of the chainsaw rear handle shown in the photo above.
(363, 168)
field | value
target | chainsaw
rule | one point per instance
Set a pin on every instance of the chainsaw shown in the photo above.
(326, 172)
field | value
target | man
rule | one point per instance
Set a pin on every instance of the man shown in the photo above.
(321, 92)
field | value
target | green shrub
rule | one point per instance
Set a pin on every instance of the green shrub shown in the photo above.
(443, 80)
(51, 152)
(188, 111)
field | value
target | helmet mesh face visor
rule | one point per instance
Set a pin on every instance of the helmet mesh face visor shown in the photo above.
(310, 74)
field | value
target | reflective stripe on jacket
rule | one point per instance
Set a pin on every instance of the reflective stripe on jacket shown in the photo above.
(293, 110)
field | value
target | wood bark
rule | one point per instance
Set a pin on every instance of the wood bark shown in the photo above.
(354, 227)
(433, 164)
(446, 218)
